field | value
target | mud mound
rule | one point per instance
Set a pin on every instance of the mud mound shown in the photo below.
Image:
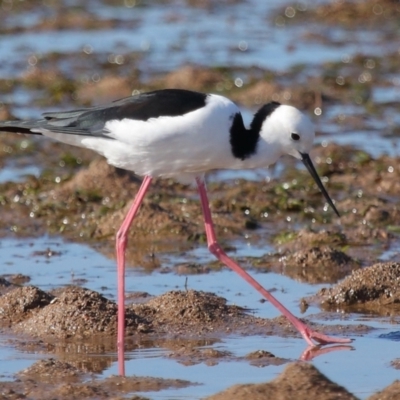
(321, 256)
(51, 379)
(306, 238)
(4, 282)
(76, 312)
(299, 380)
(196, 307)
(372, 286)
(50, 370)
(192, 356)
(259, 93)
(108, 89)
(349, 13)
(191, 310)
(318, 265)
(104, 195)
(5, 285)
(262, 358)
(17, 279)
(391, 392)
(20, 303)
(187, 355)
(193, 78)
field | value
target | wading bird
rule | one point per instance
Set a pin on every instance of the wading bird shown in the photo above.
(184, 134)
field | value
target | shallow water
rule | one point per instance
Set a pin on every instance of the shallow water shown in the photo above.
(241, 34)
(363, 379)
(351, 370)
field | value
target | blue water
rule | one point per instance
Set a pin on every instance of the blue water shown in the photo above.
(243, 34)
(73, 262)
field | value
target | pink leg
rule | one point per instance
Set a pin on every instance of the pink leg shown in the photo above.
(121, 242)
(216, 249)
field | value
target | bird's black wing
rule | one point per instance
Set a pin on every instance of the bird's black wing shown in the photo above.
(91, 121)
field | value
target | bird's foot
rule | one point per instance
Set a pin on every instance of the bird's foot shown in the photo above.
(312, 336)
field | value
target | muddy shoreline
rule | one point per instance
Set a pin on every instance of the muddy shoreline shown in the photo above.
(74, 194)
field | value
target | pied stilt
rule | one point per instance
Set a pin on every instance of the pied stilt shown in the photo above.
(184, 134)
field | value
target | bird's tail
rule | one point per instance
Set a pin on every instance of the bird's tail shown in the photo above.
(20, 126)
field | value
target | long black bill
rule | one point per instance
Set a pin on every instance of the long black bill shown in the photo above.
(310, 167)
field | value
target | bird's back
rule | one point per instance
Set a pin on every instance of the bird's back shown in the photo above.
(141, 107)
(190, 142)
(160, 133)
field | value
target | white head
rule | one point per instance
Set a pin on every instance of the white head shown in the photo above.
(286, 130)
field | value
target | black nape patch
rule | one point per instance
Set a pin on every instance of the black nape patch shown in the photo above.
(243, 141)
(262, 114)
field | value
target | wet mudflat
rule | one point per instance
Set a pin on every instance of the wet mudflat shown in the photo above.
(194, 329)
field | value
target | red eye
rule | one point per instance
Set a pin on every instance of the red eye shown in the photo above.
(295, 136)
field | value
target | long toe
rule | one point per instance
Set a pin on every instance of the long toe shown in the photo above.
(324, 339)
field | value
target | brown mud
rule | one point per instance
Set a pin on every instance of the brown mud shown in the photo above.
(374, 288)
(75, 315)
(302, 379)
(82, 198)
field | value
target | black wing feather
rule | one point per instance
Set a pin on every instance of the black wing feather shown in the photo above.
(91, 121)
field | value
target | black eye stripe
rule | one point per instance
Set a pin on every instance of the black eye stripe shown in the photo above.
(295, 136)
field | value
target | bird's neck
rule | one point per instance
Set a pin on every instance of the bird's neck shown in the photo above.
(249, 147)
(243, 141)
